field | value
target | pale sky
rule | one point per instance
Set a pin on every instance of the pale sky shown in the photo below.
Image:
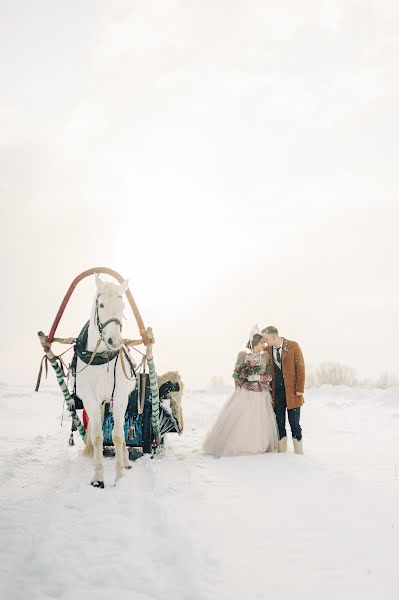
(236, 160)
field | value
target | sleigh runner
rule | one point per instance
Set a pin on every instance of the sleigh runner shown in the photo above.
(124, 404)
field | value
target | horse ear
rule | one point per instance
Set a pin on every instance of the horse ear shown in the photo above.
(124, 285)
(99, 284)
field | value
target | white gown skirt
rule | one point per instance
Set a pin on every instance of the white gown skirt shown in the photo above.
(245, 425)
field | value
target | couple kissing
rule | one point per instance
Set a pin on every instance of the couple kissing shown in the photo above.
(269, 378)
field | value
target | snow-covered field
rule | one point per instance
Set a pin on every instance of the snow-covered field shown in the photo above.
(321, 526)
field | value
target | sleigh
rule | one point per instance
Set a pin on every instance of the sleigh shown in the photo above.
(153, 406)
(138, 428)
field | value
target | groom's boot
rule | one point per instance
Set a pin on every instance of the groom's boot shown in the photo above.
(298, 446)
(282, 444)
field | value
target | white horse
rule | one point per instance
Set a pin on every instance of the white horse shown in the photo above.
(110, 382)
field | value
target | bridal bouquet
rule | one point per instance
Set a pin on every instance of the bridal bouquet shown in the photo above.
(245, 371)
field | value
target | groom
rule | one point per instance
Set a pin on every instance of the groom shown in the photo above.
(288, 373)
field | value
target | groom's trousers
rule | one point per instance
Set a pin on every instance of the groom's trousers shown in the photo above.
(280, 409)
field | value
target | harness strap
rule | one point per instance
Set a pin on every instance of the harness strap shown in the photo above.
(92, 356)
(122, 352)
(144, 361)
(113, 389)
(44, 362)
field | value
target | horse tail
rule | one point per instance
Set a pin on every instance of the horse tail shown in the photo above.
(89, 448)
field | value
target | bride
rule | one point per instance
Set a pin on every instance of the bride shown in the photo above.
(246, 424)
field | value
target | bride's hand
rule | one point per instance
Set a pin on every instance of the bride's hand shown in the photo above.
(265, 378)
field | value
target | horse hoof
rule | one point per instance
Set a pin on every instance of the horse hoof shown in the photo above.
(98, 484)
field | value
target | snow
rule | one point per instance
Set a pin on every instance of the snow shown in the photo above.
(187, 526)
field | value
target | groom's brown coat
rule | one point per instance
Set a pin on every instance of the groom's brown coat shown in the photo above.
(293, 373)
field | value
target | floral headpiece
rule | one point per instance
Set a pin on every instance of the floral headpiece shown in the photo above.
(255, 330)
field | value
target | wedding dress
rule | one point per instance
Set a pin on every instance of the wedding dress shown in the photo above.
(247, 423)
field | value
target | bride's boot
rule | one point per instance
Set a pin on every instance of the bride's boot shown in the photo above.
(298, 446)
(282, 444)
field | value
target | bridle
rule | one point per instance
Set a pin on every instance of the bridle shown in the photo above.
(121, 350)
(118, 352)
(102, 326)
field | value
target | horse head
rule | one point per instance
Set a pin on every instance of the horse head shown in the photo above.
(108, 312)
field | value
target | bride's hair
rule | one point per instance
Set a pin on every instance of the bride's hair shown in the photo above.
(257, 337)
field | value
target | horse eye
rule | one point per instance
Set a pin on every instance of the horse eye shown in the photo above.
(101, 305)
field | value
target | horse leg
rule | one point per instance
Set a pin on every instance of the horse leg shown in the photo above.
(96, 434)
(118, 437)
(126, 460)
